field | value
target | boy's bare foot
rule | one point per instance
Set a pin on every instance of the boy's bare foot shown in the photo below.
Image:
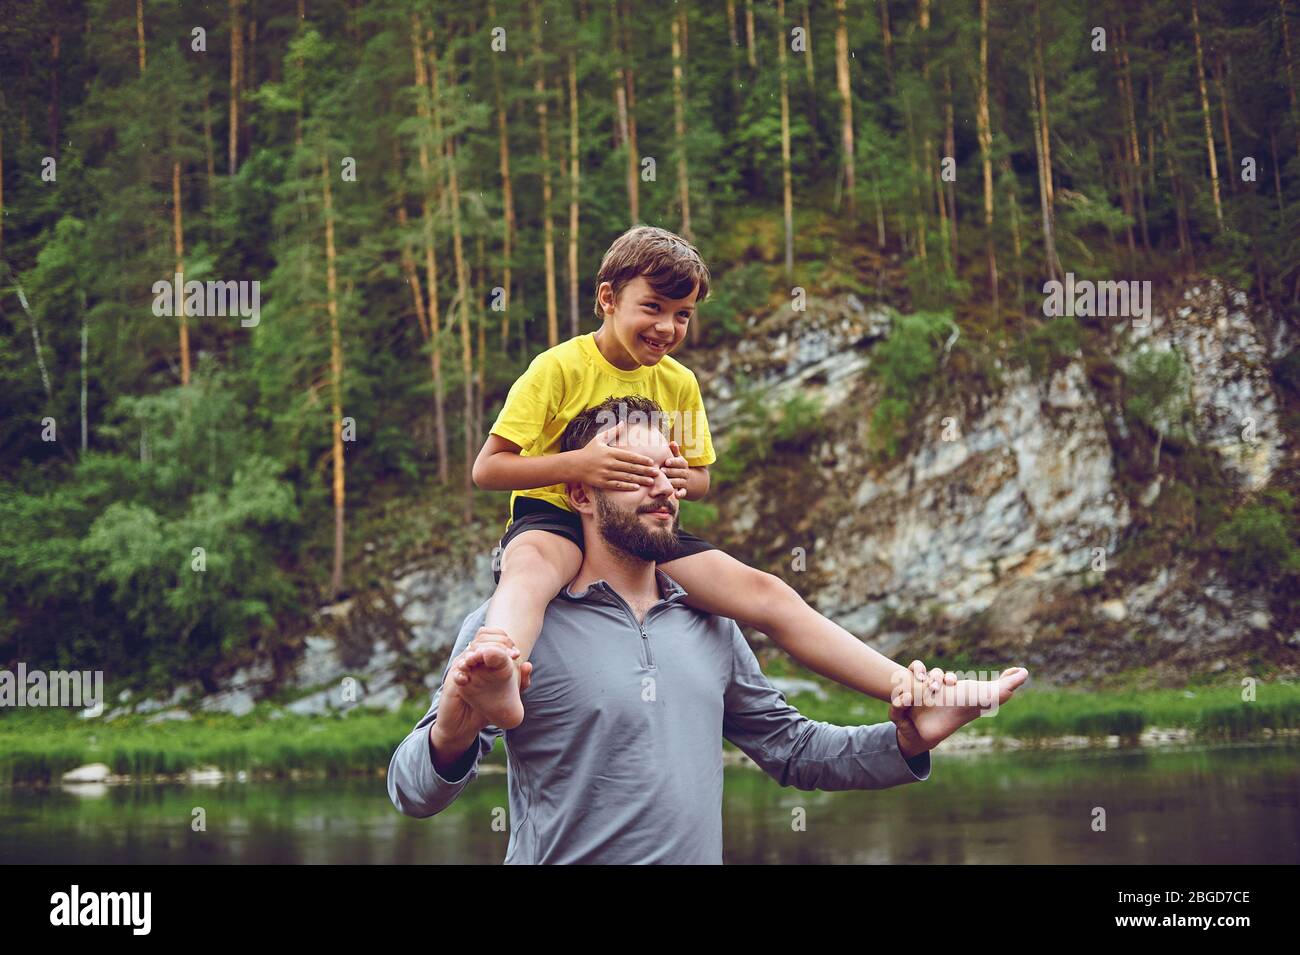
(489, 679)
(947, 704)
(982, 695)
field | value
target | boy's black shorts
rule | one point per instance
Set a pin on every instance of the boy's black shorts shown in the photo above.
(532, 514)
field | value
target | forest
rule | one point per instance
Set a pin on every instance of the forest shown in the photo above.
(387, 208)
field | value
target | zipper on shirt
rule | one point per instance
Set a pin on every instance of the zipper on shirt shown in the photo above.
(647, 656)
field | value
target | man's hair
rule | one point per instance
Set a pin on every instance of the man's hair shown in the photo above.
(633, 408)
(669, 263)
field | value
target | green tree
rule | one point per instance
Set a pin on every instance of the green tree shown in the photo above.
(1159, 395)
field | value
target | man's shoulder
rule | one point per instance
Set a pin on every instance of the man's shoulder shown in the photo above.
(668, 587)
(723, 627)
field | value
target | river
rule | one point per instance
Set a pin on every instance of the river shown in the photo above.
(1189, 804)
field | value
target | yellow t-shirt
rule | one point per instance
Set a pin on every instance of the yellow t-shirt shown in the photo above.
(573, 376)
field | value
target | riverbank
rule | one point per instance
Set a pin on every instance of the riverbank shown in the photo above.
(39, 746)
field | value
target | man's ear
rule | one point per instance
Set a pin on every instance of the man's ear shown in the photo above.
(579, 499)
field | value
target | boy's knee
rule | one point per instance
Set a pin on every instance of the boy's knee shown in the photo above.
(522, 557)
(530, 561)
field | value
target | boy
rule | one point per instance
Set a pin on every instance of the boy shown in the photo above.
(649, 284)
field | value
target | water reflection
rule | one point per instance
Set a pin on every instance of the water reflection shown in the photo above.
(1220, 804)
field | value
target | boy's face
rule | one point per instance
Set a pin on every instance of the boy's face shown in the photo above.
(646, 325)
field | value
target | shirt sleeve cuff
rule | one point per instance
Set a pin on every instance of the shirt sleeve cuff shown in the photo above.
(916, 769)
(920, 766)
(459, 772)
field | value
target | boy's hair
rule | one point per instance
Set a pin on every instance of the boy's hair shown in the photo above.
(635, 409)
(669, 263)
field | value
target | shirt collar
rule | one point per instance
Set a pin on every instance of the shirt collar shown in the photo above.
(588, 345)
(670, 591)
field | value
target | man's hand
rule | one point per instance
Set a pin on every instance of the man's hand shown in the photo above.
(676, 469)
(490, 680)
(602, 465)
(458, 723)
(455, 729)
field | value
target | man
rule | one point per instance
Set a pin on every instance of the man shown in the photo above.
(628, 696)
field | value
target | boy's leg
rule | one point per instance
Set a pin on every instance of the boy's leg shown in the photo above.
(535, 565)
(717, 583)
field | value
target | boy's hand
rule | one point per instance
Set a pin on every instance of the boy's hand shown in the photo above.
(676, 469)
(614, 469)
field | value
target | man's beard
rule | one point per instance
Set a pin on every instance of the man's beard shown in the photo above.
(626, 532)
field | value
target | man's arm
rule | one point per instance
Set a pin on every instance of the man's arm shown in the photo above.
(803, 753)
(429, 769)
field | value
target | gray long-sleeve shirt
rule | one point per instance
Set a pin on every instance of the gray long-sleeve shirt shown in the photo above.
(619, 756)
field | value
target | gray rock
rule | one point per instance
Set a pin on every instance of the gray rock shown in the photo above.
(90, 773)
(316, 704)
(1113, 610)
(258, 673)
(1152, 491)
(434, 604)
(204, 776)
(381, 679)
(1068, 388)
(320, 663)
(1023, 490)
(389, 699)
(234, 702)
(383, 657)
(1235, 408)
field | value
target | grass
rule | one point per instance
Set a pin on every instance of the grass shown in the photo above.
(1036, 714)
(38, 746)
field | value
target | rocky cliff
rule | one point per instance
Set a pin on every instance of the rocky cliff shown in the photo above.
(1000, 536)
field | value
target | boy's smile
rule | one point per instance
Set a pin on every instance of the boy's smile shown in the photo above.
(642, 326)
